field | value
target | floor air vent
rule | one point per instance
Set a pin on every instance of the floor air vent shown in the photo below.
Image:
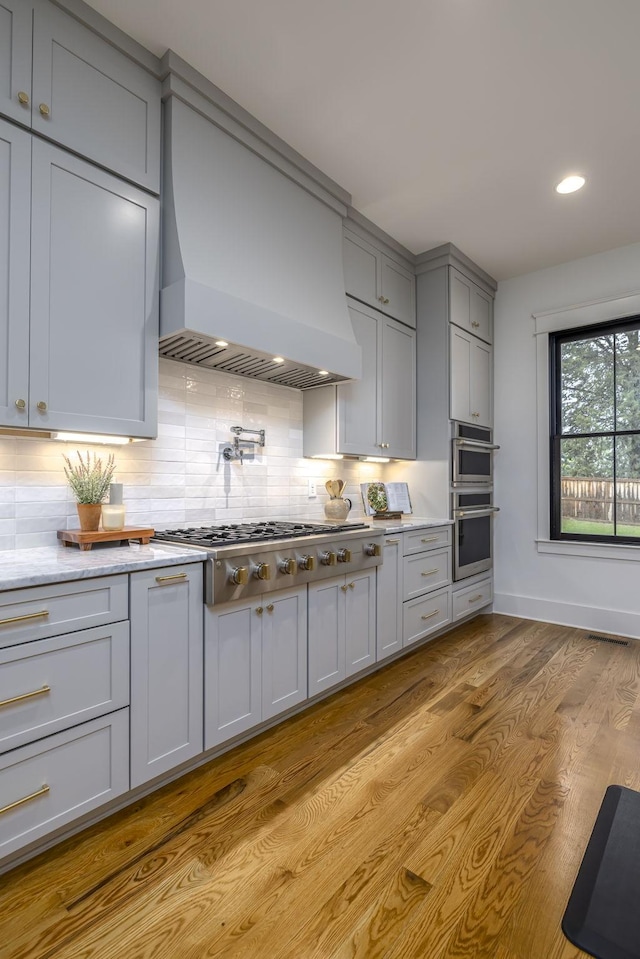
(607, 639)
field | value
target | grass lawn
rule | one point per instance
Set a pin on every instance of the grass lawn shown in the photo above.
(593, 528)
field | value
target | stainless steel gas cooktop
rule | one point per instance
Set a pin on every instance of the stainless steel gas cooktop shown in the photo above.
(247, 559)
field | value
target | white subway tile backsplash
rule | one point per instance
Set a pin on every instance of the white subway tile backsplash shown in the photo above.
(181, 477)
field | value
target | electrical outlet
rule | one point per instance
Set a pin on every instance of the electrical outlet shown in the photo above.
(313, 489)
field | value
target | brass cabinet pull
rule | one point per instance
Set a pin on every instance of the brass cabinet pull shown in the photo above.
(23, 98)
(430, 572)
(391, 542)
(23, 618)
(259, 610)
(44, 110)
(429, 539)
(18, 699)
(20, 802)
(474, 599)
(430, 615)
(21, 404)
(41, 406)
(475, 324)
(270, 608)
(171, 579)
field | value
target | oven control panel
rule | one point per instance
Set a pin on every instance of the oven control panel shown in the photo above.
(279, 566)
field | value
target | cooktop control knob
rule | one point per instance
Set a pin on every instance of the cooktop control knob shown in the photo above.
(288, 566)
(344, 555)
(373, 549)
(262, 571)
(328, 558)
(307, 562)
(239, 576)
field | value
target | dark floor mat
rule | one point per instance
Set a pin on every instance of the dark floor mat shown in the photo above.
(603, 914)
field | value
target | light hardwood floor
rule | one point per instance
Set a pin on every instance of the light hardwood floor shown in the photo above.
(438, 808)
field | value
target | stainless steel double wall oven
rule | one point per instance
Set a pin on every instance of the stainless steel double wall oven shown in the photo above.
(472, 508)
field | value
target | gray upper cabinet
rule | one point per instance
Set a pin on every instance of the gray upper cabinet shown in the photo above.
(16, 18)
(471, 379)
(376, 415)
(93, 323)
(15, 204)
(79, 91)
(470, 308)
(375, 278)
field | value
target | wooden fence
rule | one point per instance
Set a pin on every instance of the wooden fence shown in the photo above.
(592, 499)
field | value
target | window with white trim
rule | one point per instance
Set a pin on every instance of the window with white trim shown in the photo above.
(594, 451)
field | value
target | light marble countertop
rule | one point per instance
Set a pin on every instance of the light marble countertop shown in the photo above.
(60, 564)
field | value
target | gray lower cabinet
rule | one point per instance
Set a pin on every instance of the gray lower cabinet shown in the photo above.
(376, 415)
(58, 779)
(255, 661)
(77, 89)
(469, 599)
(389, 599)
(166, 669)
(342, 628)
(83, 355)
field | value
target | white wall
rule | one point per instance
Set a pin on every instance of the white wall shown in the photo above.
(181, 477)
(594, 593)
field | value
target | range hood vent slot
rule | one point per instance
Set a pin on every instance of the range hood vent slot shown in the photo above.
(230, 359)
(250, 258)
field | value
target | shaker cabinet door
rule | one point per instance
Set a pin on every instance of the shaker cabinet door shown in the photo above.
(94, 306)
(93, 99)
(358, 409)
(15, 204)
(398, 388)
(284, 650)
(15, 60)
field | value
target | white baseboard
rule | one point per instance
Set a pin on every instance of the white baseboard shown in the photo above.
(594, 618)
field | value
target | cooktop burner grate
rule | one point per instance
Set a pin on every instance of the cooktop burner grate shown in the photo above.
(230, 534)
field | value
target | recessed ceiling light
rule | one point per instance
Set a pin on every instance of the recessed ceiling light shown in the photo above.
(221, 343)
(570, 184)
(278, 359)
(323, 372)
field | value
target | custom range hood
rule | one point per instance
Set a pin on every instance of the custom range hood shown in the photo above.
(253, 281)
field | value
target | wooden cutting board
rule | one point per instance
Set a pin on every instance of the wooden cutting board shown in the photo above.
(85, 539)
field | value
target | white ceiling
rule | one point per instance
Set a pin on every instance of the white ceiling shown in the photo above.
(447, 120)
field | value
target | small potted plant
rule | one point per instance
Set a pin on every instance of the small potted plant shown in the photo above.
(90, 481)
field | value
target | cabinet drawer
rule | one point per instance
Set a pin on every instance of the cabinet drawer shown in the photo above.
(424, 572)
(421, 539)
(50, 783)
(51, 684)
(423, 616)
(42, 611)
(474, 597)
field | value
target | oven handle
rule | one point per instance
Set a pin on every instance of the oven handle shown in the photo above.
(485, 511)
(475, 444)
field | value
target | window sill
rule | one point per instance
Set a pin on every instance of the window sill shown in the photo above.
(624, 551)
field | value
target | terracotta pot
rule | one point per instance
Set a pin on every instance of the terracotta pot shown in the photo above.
(89, 515)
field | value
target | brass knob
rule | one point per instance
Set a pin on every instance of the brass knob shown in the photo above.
(288, 566)
(270, 608)
(307, 562)
(42, 406)
(343, 588)
(44, 110)
(23, 98)
(352, 585)
(20, 404)
(384, 299)
(344, 555)
(259, 610)
(475, 324)
(328, 558)
(373, 549)
(262, 571)
(239, 576)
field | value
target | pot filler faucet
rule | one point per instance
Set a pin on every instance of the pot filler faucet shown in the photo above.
(236, 450)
